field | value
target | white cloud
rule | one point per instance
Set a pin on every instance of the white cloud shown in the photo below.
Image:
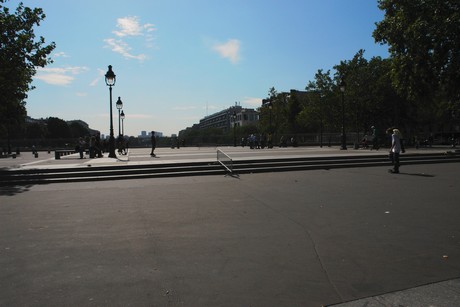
(59, 75)
(61, 54)
(100, 73)
(55, 79)
(123, 48)
(130, 27)
(229, 50)
(149, 27)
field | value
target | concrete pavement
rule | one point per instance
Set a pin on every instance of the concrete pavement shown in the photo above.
(195, 154)
(311, 238)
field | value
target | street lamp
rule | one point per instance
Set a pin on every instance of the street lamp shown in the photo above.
(122, 116)
(119, 106)
(110, 79)
(342, 86)
(234, 129)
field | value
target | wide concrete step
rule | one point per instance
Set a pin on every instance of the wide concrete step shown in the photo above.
(42, 176)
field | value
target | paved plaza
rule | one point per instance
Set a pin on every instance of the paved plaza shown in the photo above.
(353, 236)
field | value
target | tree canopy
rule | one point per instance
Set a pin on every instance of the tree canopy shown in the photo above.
(424, 43)
(21, 52)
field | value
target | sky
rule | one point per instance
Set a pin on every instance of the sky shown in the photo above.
(177, 61)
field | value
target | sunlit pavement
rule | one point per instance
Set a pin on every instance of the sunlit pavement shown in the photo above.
(184, 154)
(310, 238)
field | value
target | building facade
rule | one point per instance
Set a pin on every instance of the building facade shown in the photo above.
(228, 118)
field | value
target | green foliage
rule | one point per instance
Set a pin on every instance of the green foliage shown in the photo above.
(58, 128)
(20, 54)
(35, 131)
(78, 130)
(424, 43)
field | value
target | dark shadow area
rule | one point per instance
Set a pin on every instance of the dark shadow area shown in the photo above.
(233, 175)
(11, 190)
(417, 174)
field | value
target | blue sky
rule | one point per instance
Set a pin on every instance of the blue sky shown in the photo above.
(178, 60)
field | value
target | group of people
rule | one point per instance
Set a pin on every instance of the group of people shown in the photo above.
(97, 147)
(258, 141)
(93, 143)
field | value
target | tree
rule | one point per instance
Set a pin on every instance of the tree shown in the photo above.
(58, 128)
(279, 112)
(20, 54)
(35, 131)
(424, 44)
(78, 130)
(323, 108)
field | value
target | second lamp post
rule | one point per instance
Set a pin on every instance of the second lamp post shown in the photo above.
(119, 105)
(122, 116)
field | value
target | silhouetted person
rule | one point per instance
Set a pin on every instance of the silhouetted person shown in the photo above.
(154, 144)
(395, 150)
(375, 138)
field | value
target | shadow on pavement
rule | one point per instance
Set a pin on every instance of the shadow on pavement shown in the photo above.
(13, 190)
(417, 174)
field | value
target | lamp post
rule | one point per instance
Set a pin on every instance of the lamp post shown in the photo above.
(119, 106)
(110, 79)
(342, 86)
(122, 116)
(234, 129)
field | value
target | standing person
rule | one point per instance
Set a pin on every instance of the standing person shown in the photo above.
(92, 146)
(98, 149)
(395, 150)
(81, 146)
(154, 144)
(375, 138)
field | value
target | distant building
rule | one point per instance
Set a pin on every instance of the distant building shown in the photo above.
(145, 134)
(157, 134)
(227, 118)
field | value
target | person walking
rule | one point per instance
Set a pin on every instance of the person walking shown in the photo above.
(395, 150)
(154, 144)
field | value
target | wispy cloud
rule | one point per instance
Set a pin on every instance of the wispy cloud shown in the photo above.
(130, 27)
(59, 75)
(119, 46)
(100, 75)
(55, 79)
(252, 101)
(229, 50)
(61, 55)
